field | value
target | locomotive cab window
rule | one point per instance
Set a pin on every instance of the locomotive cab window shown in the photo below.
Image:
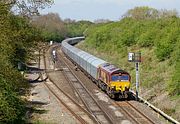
(117, 77)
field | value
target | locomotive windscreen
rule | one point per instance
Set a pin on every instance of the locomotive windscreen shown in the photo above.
(119, 78)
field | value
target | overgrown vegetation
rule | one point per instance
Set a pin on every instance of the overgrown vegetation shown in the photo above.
(155, 33)
(17, 37)
(51, 26)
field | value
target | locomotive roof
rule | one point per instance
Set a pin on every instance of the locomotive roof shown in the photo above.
(111, 68)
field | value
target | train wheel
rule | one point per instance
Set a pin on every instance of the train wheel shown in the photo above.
(76, 68)
(116, 96)
(125, 95)
(89, 76)
(99, 84)
(104, 87)
(112, 96)
(109, 92)
(120, 96)
(96, 83)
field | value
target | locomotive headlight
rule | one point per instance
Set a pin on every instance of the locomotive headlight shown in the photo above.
(113, 87)
(126, 88)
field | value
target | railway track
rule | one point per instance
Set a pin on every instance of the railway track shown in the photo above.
(89, 101)
(135, 114)
(130, 112)
(82, 115)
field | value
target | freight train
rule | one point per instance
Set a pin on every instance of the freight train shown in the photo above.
(114, 81)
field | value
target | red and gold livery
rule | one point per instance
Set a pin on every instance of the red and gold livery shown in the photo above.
(114, 81)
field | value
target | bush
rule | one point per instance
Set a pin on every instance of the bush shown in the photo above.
(17, 37)
(161, 35)
(146, 39)
(11, 106)
(163, 50)
(174, 85)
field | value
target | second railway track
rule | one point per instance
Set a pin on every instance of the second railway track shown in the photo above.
(75, 109)
(89, 101)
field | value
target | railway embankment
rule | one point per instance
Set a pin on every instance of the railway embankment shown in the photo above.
(153, 82)
(158, 42)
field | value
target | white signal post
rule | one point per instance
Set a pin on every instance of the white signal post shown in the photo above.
(137, 79)
(136, 58)
(54, 57)
(51, 42)
(54, 53)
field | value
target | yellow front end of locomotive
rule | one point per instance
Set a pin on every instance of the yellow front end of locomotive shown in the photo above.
(120, 86)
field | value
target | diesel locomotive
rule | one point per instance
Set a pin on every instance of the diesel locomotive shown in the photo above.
(113, 80)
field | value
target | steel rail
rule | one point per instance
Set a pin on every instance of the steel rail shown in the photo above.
(129, 114)
(72, 86)
(109, 119)
(132, 106)
(76, 116)
(64, 104)
(157, 110)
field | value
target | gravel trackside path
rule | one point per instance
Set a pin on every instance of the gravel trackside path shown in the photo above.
(48, 109)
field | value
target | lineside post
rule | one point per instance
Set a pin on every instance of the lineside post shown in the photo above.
(136, 58)
(137, 80)
(39, 58)
(54, 57)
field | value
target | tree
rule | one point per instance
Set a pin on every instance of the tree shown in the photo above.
(142, 13)
(167, 13)
(52, 26)
(17, 37)
(27, 7)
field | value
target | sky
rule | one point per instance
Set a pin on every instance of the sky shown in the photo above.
(104, 9)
